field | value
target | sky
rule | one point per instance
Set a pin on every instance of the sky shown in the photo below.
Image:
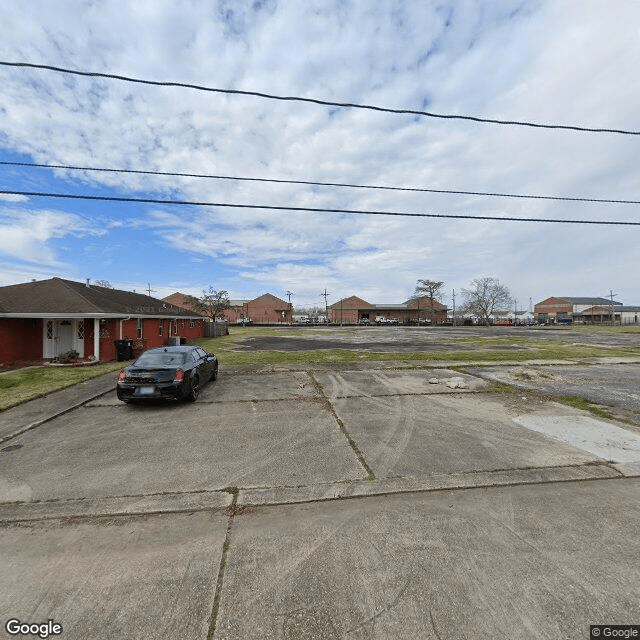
(569, 63)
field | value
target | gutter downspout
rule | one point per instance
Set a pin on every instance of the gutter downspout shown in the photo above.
(121, 321)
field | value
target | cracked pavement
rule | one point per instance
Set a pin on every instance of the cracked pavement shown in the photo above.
(340, 503)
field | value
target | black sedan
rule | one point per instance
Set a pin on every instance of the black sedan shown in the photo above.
(167, 372)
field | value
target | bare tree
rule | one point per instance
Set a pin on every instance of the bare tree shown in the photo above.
(485, 296)
(213, 302)
(103, 283)
(430, 288)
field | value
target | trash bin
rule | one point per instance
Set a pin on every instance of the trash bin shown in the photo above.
(124, 349)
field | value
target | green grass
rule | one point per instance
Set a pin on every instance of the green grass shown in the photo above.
(580, 403)
(486, 350)
(26, 384)
(571, 401)
(625, 328)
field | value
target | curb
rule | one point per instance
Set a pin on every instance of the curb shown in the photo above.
(52, 416)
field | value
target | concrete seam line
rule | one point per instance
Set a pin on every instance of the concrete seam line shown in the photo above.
(514, 483)
(114, 514)
(343, 428)
(223, 563)
(39, 423)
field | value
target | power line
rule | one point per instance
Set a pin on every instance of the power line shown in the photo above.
(191, 203)
(323, 184)
(328, 103)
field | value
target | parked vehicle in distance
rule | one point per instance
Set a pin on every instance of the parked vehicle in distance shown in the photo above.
(167, 372)
(364, 321)
(244, 321)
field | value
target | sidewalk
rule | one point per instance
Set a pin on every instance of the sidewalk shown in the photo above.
(32, 414)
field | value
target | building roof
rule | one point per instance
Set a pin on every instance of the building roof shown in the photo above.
(590, 301)
(58, 297)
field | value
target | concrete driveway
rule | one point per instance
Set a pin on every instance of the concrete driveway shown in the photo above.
(377, 503)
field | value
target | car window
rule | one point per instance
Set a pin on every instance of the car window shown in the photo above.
(160, 359)
(194, 355)
(201, 352)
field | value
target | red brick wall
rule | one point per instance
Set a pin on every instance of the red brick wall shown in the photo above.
(553, 306)
(232, 314)
(20, 339)
(268, 310)
(151, 337)
(348, 316)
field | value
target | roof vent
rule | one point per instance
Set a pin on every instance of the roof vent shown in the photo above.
(88, 280)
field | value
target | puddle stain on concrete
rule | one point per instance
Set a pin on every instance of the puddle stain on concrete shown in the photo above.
(588, 434)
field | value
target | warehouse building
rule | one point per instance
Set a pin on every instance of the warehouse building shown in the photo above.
(568, 309)
(355, 310)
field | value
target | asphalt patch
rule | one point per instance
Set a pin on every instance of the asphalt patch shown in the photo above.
(289, 344)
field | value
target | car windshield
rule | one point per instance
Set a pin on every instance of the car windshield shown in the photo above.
(160, 359)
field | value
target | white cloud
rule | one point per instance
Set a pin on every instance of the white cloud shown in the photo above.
(26, 235)
(9, 197)
(572, 62)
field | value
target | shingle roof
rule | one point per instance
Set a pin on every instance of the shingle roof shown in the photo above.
(58, 296)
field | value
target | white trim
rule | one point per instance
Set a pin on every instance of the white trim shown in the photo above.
(96, 338)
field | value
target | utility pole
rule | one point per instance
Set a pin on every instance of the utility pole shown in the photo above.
(326, 306)
(289, 294)
(613, 318)
(454, 307)
(149, 289)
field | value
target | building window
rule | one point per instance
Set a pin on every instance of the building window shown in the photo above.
(139, 329)
(80, 333)
(49, 329)
(160, 327)
(192, 323)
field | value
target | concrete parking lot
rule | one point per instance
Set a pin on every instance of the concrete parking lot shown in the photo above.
(340, 503)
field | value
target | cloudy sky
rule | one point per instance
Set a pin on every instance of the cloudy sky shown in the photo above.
(573, 62)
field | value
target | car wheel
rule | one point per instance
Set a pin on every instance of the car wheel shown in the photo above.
(194, 391)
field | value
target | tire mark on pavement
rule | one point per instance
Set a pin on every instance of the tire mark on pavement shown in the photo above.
(343, 428)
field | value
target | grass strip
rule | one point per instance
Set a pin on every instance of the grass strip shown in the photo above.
(27, 384)
(571, 401)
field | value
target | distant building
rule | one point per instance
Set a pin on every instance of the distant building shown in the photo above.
(353, 310)
(265, 309)
(608, 314)
(572, 309)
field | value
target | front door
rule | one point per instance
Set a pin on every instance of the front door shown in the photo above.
(61, 336)
(65, 336)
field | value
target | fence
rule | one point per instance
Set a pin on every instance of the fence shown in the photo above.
(216, 329)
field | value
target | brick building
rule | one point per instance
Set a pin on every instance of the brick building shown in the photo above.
(353, 310)
(265, 309)
(572, 309)
(47, 318)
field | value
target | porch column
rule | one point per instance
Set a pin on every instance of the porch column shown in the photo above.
(96, 338)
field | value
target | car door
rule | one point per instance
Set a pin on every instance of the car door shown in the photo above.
(204, 364)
